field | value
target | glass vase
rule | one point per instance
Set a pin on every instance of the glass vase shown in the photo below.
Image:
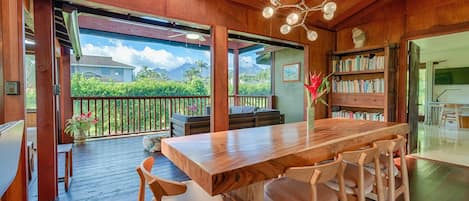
(310, 119)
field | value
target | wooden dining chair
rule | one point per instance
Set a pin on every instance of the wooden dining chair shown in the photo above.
(308, 184)
(358, 181)
(166, 190)
(397, 183)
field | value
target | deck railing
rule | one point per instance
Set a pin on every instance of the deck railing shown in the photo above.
(130, 115)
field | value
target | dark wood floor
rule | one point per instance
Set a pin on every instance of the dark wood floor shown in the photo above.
(105, 170)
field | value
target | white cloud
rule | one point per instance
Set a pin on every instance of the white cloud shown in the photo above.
(246, 61)
(129, 55)
(207, 54)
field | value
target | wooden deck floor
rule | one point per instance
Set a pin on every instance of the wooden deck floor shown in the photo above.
(105, 170)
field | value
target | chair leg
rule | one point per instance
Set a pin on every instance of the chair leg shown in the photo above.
(71, 163)
(379, 179)
(405, 176)
(67, 161)
(391, 179)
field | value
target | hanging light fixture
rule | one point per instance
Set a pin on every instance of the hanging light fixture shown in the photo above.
(298, 18)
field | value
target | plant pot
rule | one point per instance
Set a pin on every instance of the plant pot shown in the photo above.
(80, 137)
(310, 119)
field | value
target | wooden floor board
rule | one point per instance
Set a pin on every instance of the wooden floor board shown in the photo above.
(105, 170)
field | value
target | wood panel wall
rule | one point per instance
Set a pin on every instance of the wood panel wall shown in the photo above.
(397, 21)
(11, 69)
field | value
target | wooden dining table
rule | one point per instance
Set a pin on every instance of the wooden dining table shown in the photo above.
(236, 163)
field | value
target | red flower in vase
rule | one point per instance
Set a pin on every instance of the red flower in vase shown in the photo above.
(315, 82)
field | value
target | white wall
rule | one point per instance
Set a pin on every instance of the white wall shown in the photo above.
(455, 94)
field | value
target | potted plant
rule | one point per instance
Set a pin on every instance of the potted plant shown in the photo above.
(78, 125)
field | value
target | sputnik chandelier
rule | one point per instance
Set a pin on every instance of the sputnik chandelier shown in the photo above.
(298, 18)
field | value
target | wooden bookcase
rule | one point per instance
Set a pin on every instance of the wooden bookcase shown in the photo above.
(364, 66)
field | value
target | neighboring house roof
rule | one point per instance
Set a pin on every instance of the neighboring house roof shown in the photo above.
(98, 62)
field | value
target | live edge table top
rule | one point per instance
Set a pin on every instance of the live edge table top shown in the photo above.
(223, 161)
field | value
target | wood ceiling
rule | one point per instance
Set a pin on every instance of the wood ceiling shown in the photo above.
(134, 29)
(345, 10)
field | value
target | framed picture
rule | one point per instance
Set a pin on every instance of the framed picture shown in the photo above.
(291, 72)
(12, 88)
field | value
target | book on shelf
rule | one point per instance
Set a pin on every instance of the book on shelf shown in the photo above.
(372, 116)
(359, 63)
(358, 86)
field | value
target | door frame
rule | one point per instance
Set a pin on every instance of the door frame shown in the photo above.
(403, 82)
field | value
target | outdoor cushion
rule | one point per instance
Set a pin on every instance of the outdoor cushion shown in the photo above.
(351, 180)
(184, 118)
(152, 143)
(242, 109)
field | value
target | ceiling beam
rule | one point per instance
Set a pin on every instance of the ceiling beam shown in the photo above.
(360, 6)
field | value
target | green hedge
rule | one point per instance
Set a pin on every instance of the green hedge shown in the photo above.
(89, 87)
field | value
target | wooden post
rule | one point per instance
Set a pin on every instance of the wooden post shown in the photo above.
(236, 76)
(272, 73)
(46, 132)
(219, 79)
(306, 54)
(12, 107)
(66, 102)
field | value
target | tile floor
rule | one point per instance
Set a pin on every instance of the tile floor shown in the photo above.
(446, 144)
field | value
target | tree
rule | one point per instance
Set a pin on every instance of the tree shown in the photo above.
(195, 71)
(148, 73)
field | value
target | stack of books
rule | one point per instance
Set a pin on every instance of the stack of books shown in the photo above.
(372, 116)
(358, 86)
(359, 63)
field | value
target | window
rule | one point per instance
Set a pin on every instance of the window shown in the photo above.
(30, 80)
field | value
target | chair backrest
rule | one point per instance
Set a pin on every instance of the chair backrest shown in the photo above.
(320, 174)
(159, 187)
(388, 148)
(362, 157)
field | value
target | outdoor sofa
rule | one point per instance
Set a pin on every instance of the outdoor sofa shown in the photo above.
(239, 117)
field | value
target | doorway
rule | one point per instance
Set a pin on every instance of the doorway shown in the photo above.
(438, 97)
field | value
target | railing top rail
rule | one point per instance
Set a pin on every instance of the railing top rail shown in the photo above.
(135, 97)
(157, 97)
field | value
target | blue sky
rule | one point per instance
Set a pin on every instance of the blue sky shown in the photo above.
(154, 55)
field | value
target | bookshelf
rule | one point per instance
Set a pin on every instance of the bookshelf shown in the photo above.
(363, 83)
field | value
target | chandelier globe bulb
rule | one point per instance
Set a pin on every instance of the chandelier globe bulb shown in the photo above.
(285, 29)
(312, 35)
(328, 16)
(268, 12)
(329, 7)
(293, 18)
